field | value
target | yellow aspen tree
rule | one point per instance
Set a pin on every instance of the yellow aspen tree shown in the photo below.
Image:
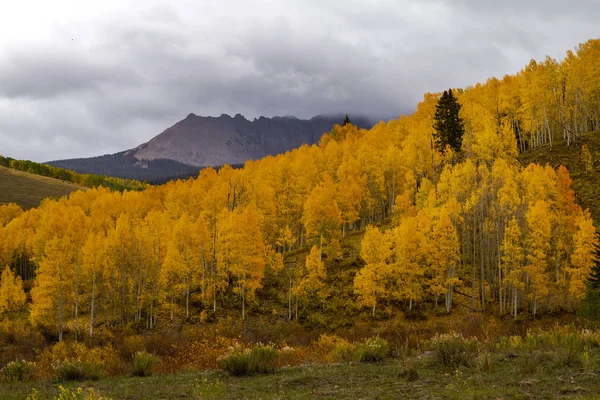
(12, 295)
(76, 235)
(513, 262)
(53, 292)
(93, 260)
(5, 248)
(182, 260)
(537, 248)
(285, 238)
(312, 277)
(370, 281)
(245, 250)
(155, 230)
(172, 277)
(120, 244)
(583, 257)
(262, 196)
(204, 253)
(350, 192)
(445, 256)
(8, 212)
(409, 251)
(322, 217)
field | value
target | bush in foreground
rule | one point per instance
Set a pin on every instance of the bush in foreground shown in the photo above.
(338, 349)
(259, 359)
(71, 359)
(19, 370)
(79, 371)
(143, 363)
(453, 350)
(373, 350)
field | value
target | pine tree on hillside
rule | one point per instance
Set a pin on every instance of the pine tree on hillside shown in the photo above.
(592, 296)
(447, 123)
(594, 278)
(346, 121)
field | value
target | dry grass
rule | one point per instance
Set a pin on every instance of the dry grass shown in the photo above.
(28, 190)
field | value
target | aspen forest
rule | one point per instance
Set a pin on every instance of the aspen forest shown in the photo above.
(437, 223)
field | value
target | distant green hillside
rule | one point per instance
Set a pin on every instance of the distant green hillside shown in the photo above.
(586, 185)
(28, 190)
(87, 180)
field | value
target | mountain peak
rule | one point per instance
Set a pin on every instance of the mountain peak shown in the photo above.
(198, 141)
(234, 140)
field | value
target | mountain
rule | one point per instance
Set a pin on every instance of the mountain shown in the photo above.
(196, 142)
(28, 190)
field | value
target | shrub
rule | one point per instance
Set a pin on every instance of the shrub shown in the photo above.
(196, 355)
(143, 363)
(453, 350)
(373, 350)
(19, 370)
(336, 349)
(51, 359)
(132, 345)
(259, 359)
(332, 348)
(79, 371)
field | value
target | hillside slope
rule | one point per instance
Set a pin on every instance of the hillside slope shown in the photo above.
(585, 185)
(28, 190)
(124, 165)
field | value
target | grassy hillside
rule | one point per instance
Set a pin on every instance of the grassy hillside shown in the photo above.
(28, 190)
(586, 185)
(87, 180)
(541, 375)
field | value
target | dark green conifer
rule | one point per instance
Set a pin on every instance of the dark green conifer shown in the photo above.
(447, 123)
(346, 121)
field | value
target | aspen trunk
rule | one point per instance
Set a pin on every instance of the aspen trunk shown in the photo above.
(243, 305)
(290, 300)
(92, 303)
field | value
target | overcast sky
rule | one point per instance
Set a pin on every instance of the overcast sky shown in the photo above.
(83, 78)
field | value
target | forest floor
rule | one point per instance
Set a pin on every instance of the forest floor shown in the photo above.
(539, 375)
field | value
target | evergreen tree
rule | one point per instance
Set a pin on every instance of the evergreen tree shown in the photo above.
(447, 123)
(594, 278)
(346, 121)
(592, 295)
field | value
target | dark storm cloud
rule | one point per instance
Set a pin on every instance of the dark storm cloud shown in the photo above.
(135, 74)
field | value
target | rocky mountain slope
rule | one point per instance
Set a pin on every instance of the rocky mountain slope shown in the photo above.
(197, 142)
